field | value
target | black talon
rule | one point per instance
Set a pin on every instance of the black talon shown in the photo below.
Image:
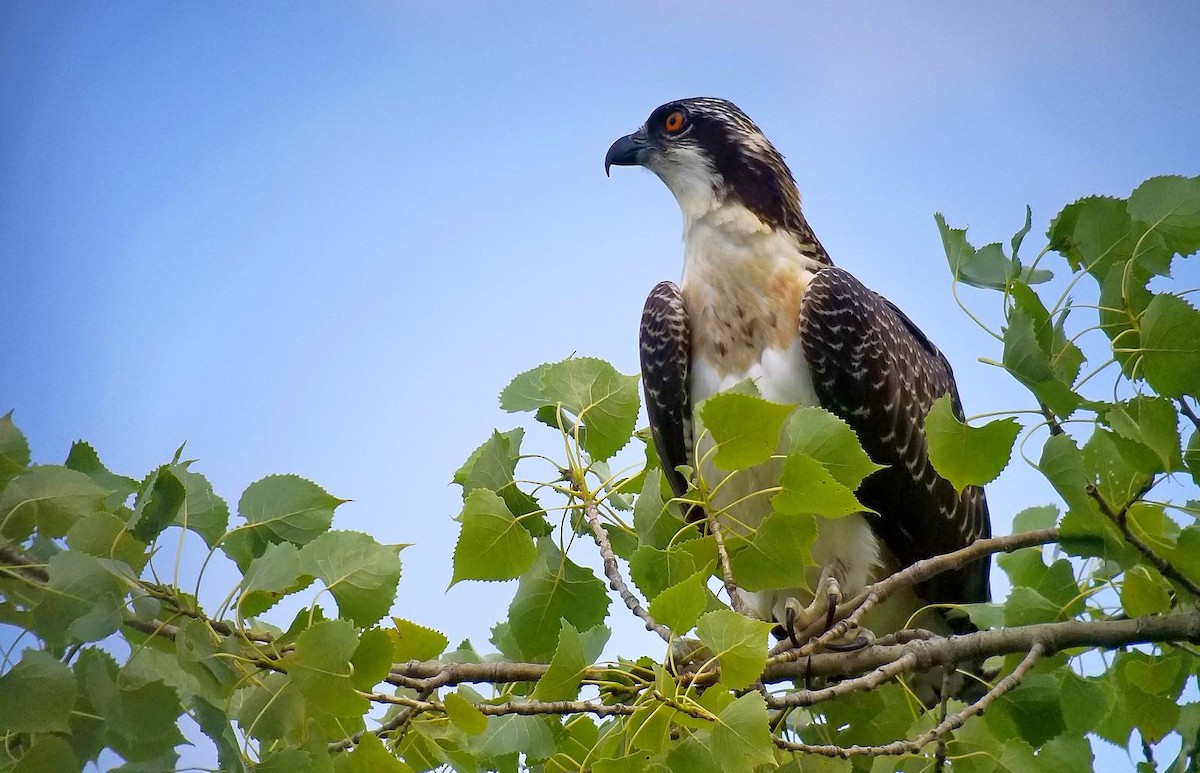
(832, 612)
(851, 646)
(790, 626)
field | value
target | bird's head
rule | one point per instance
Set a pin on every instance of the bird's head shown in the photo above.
(709, 153)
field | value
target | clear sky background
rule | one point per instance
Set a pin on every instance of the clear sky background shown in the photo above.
(320, 238)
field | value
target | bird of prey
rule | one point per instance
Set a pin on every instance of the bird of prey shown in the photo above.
(760, 299)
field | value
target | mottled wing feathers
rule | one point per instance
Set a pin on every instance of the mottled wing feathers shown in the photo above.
(666, 353)
(876, 370)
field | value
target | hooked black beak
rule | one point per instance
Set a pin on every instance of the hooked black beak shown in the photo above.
(626, 151)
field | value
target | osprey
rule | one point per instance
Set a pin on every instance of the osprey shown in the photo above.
(760, 299)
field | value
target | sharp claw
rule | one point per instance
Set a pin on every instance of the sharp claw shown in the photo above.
(790, 625)
(831, 613)
(850, 646)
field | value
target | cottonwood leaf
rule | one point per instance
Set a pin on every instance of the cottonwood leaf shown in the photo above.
(361, 574)
(492, 544)
(808, 488)
(203, 512)
(273, 709)
(654, 570)
(1170, 346)
(1142, 595)
(512, 734)
(554, 589)
(818, 434)
(562, 678)
(741, 739)
(372, 659)
(82, 603)
(1171, 206)
(39, 693)
(778, 554)
(369, 756)
(83, 458)
(590, 390)
(656, 521)
(14, 450)
(492, 466)
(50, 498)
(739, 644)
(1025, 359)
(279, 508)
(1152, 422)
(678, 606)
(140, 720)
(159, 499)
(1035, 707)
(745, 428)
(1035, 518)
(464, 714)
(320, 668)
(966, 455)
(104, 535)
(416, 642)
(273, 575)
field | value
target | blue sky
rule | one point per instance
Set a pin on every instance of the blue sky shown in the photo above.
(320, 238)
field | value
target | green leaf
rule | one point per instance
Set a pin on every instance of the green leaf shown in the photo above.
(270, 577)
(741, 738)
(273, 709)
(1171, 346)
(818, 434)
(14, 450)
(203, 511)
(83, 602)
(739, 644)
(369, 756)
(320, 668)
(1035, 518)
(1087, 698)
(1152, 422)
(987, 267)
(159, 500)
(513, 734)
(140, 720)
(83, 458)
(39, 693)
(1171, 206)
(1094, 233)
(1025, 606)
(492, 466)
(653, 570)
(49, 497)
(808, 488)
(47, 752)
(655, 521)
(555, 589)
(416, 642)
(1036, 708)
(591, 390)
(778, 554)
(1152, 712)
(361, 574)
(966, 455)
(103, 535)
(1142, 595)
(745, 428)
(464, 715)
(492, 545)
(561, 680)
(372, 659)
(279, 508)
(1030, 364)
(1191, 457)
(678, 606)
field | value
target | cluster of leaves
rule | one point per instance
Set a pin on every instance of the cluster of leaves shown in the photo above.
(77, 578)
(107, 654)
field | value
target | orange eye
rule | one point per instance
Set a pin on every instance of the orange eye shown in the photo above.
(674, 121)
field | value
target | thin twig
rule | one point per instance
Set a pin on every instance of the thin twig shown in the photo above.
(612, 570)
(1119, 518)
(735, 598)
(920, 742)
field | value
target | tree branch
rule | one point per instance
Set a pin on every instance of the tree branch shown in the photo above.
(735, 598)
(937, 733)
(919, 572)
(1118, 517)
